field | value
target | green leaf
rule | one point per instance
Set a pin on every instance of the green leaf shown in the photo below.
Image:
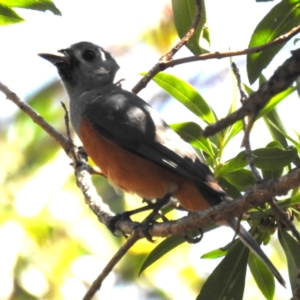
(272, 174)
(238, 126)
(164, 247)
(273, 158)
(229, 188)
(273, 101)
(227, 282)
(271, 118)
(292, 251)
(167, 245)
(234, 164)
(192, 133)
(276, 100)
(294, 200)
(263, 277)
(184, 13)
(40, 5)
(296, 144)
(186, 94)
(8, 16)
(280, 20)
(214, 254)
(234, 130)
(242, 179)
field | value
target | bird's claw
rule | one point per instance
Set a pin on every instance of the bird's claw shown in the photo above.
(146, 225)
(194, 239)
(113, 222)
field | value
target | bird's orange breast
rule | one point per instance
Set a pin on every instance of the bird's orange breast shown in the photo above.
(136, 174)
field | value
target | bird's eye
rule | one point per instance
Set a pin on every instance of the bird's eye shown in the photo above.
(89, 55)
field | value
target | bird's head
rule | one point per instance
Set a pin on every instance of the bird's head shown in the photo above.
(83, 67)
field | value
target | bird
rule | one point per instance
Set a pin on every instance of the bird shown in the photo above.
(131, 144)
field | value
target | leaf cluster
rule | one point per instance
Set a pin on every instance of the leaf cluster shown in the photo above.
(279, 155)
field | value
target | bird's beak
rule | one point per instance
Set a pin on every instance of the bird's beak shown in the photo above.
(55, 59)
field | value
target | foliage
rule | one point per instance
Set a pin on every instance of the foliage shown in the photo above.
(9, 16)
(49, 234)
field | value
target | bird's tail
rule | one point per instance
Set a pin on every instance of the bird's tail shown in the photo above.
(252, 244)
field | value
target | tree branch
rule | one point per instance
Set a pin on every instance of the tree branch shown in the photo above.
(168, 56)
(110, 265)
(218, 55)
(282, 78)
(35, 117)
(256, 196)
(163, 65)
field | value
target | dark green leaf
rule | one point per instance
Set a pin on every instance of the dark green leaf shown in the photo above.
(292, 251)
(164, 247)
(273, 158)
(186, 94)
(192, 133)
(271, 118)
(234, 164)
(242, 179)
(296, 144)
(272, 174)
(274, 144)
(229, 188)
(184, 14)
(280, 20)
(8, 16)
(40, 5)
(263, 277)
(167, 245)
(228, 276)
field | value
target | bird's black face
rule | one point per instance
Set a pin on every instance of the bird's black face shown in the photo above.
(84, 66)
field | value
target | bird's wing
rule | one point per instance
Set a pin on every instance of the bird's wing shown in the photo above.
(130, 122)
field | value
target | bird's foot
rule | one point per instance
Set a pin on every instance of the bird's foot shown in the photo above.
(195, 238)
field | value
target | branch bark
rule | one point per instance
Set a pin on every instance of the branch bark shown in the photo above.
(283, 77)
(256, 196)
(163, 65)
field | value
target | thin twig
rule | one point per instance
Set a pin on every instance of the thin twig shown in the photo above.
(110, 265)
(282, 78)
(284, 219)
(214, 55)
(72, 145)
(197, 19)
(218, 55)
(161, 65)
(247, 145)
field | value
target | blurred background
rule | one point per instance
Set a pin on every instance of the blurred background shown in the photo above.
(51, 244)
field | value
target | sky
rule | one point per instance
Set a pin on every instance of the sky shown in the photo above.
(119, 22)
